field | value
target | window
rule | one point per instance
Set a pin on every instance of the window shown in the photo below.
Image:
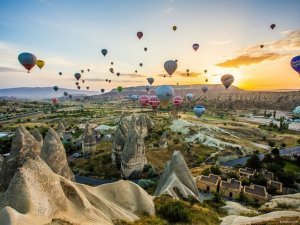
(230, 194)
(256, 200)
(207, 188)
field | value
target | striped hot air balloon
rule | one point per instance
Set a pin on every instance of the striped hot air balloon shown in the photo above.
(227, 80)
(170, 66)
(144, 100)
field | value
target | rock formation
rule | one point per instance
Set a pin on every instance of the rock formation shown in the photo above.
(53, 153)
(61, 129)
(133, 157)
(37, 135)
(89, 140)
(24, 146)
(38, 196)
(163, 143)
(1, 161)
(177, 178)
(144, 124)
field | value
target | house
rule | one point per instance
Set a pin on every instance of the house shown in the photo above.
(231, 188)
(256, 193)
(246, 172)
(208, 183)
(275, 184)
(267, 174)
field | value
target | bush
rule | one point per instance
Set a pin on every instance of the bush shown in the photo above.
(272, 144)
(174, 212)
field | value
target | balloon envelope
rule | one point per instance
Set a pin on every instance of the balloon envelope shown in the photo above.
(139, 34)
(297, 110)
(40, 63)
(154, 102)
(199, 110)
(104, 52)
(295, 63)
(119, 88)
(170, 66)
(77, 76)
(134, 97)
(204, 89)
(150, 80)
(27, 60)
(144, 100)
(60, 73)
(174, 28)
(177, 101)
(102, 90)
(65, 93)
(54, 100)
(164, 93)
(273, 26)
(189, 96)
(55, 88)
(195, 46)
(147, 88)
(227, 80)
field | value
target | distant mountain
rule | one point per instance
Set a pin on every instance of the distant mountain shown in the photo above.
(42, 92)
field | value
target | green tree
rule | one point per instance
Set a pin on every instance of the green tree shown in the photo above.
(254, 162)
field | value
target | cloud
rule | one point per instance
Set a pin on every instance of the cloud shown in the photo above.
(60, 61)
(221, 42)
(169, 10)
(7, 69)
(247, 59)
(113, 81)
(132, 75)
(185, 74)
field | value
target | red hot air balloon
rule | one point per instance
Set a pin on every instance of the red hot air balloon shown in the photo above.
(154, 102)
(27, 60)
(195, 46)
(144, 100)
(55, 101)
(177, 101)
(139, 34)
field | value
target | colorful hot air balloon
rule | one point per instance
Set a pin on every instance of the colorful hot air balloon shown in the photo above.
(55, 101)
(65, 94)
(273, 26)
(134, 97)
(164, 93)
(104, 52)
(227, 80)
(40, 63)
(154, 102)
(139, 34)
(102, 90)
(199, 110)
(82, 71)
(141, 64)
(77, 76)
(150, 80)
(297, 110)
(55, 88)
(177, 101)
(145, 49)
(60, 73)
(119, 88)
(27, 60)
(170, 67)
(295, 64)
(195, 46)
(144, 100)
(147, 88)
(174, 28)
(204, 89)
(189, 96)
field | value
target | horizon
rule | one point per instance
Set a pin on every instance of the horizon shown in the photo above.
(69, 37)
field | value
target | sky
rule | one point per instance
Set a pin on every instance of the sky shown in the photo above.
(69, 35)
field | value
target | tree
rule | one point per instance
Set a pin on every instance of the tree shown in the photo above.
(254, 162)
(287, 179)
(275, 151)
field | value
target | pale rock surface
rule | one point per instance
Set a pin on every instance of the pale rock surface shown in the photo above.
(163, 142)
(291, 200)
(37, 135)
(176, 175)
(24, 146)
(54, 154)
(36, 196)
(235, 208)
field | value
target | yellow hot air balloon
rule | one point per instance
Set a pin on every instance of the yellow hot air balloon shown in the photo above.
(40, 63)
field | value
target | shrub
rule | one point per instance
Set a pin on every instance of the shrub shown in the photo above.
(174, 212)
(272, 144)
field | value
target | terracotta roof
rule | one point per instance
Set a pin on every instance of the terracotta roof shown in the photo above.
(256, 190)
(211, 178)
(231, 184)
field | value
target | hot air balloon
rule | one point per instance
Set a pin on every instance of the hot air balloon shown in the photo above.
(70, 96)
(295, 63)
(273, 26)
(141, 64)
(102, 90)
(27, 60)
(145, 49)
(195, 46)
(104, 52)
(199, 110)
(136, 71)
(55, 88)
(87, 88)
(174, 28)
(78, 87)
(176, 60)
(147, 88)
(118, 74)
(88, 70)
(106, 80)
(227, 80)
(205, 71)
(164, 93)
(60, 73)
(134, 97)
(83, 81)
(187, 70)
(206, 80)
(82, 71)
(109, 81)
(189, 96)
(261, 46)
(77, 83)
(139, 34)
(177, 101)
(111, 70)
(170, 67)
(55, 101)
(150, 80)
(40, 63)
(65, 94)
(144, 100)
(119, 88)
(111, 63)
(204, 89)
(77, 76)
(154, 102)
(188, 74)
(297, 110)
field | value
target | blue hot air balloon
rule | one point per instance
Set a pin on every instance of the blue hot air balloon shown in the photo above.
(199, 110)
(295, 63)
(189, 96)
(164, 93)
(104, 52)
(27, 60)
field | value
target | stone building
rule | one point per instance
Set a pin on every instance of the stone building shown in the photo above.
(275, 184)
(88, 140)
(208, 183)
(246, 172)
(256, 193)
(267, 174)
(231, 188)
